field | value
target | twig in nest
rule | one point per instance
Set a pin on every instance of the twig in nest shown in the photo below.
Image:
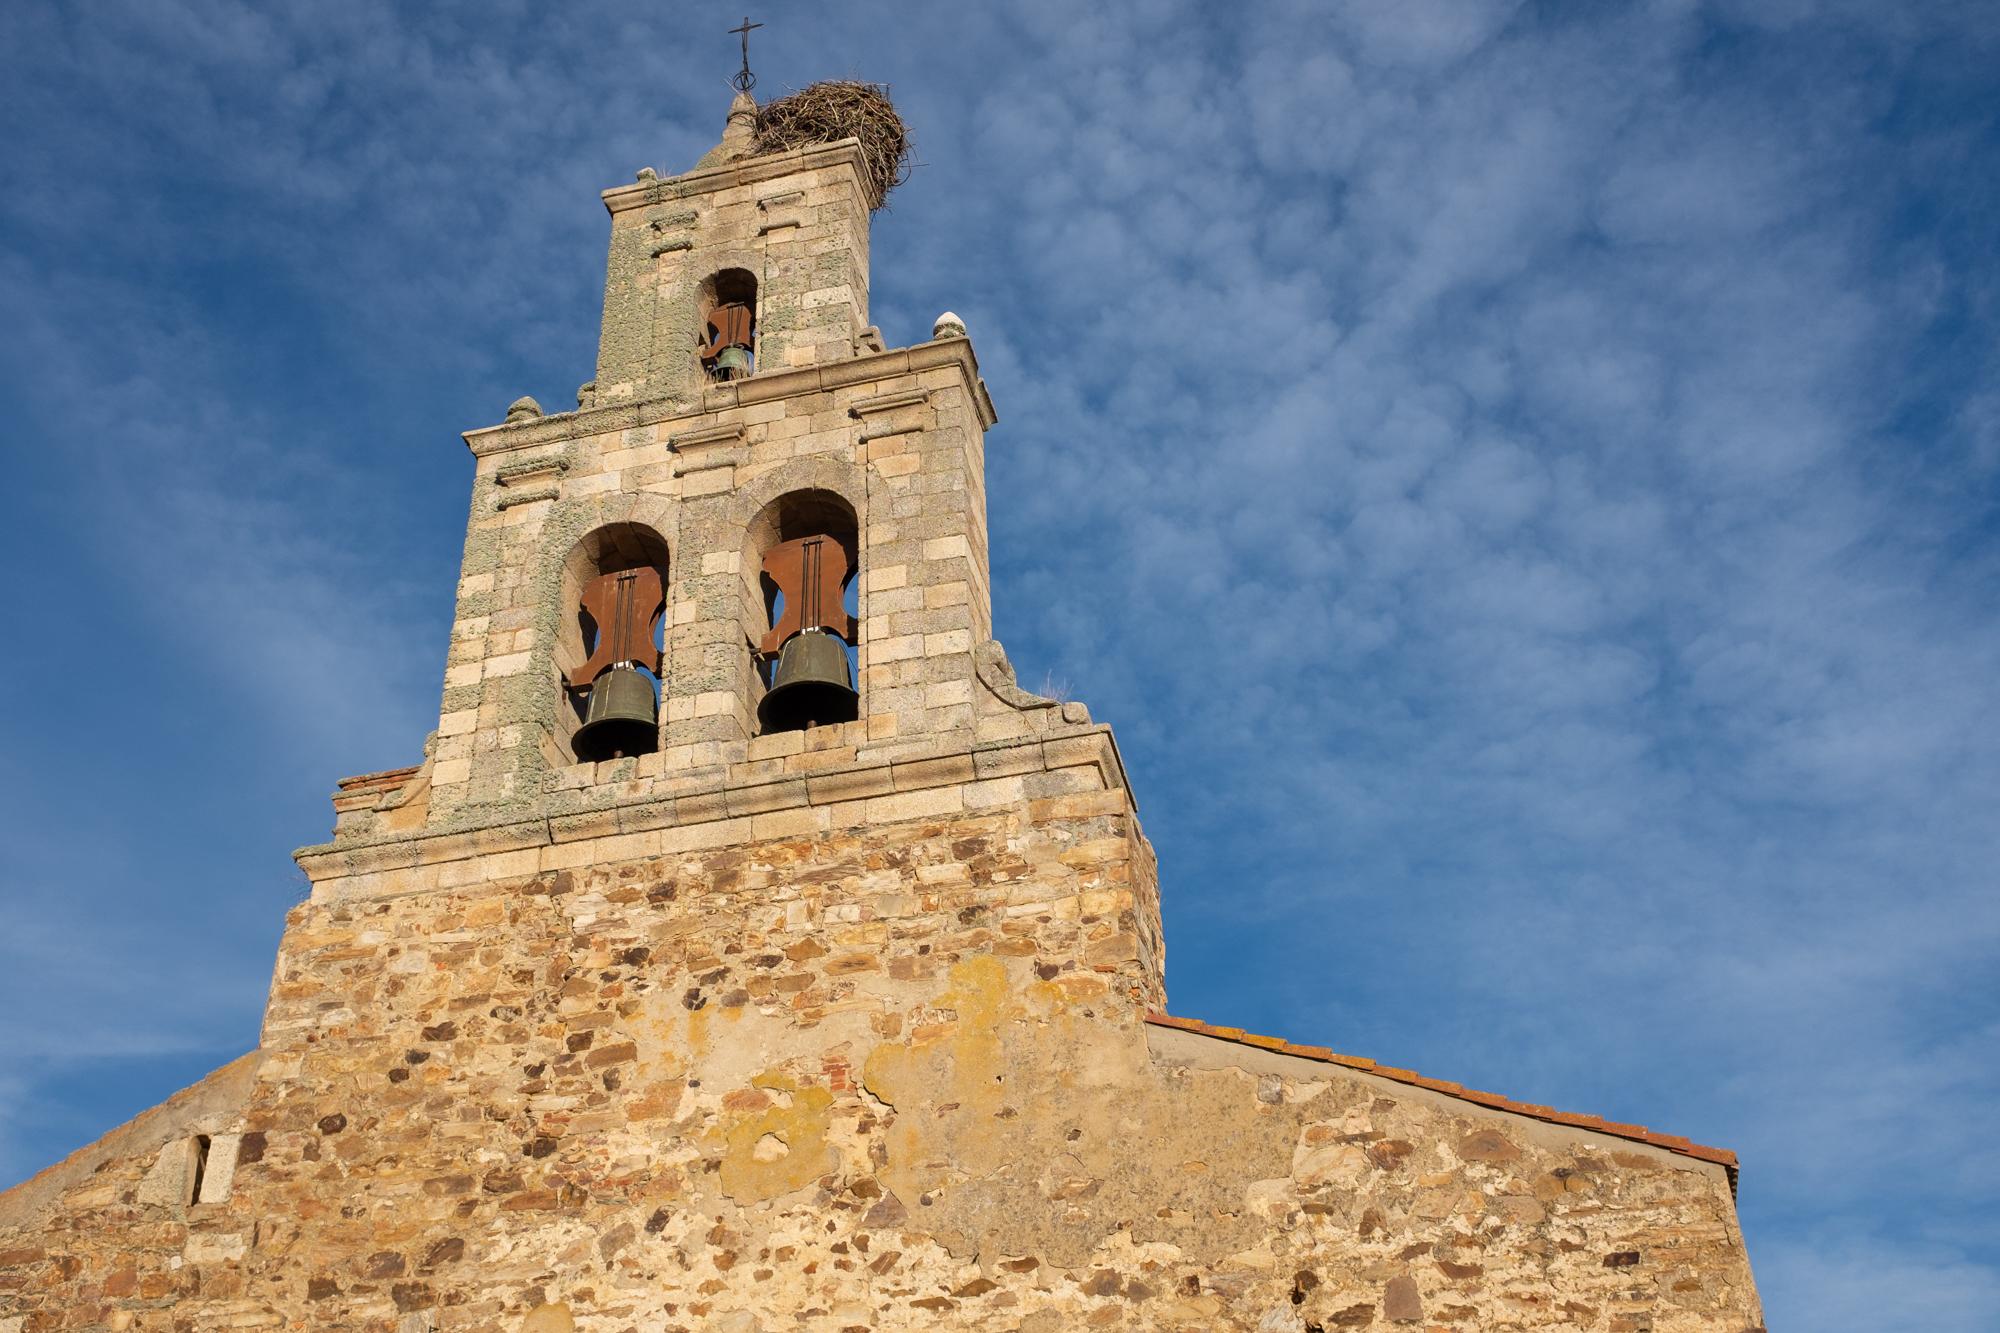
(842, 109)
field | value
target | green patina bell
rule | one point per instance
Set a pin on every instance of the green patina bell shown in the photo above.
(622, 718)
(732, 363)
(812, 685)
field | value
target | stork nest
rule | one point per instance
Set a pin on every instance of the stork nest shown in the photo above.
(842, 109)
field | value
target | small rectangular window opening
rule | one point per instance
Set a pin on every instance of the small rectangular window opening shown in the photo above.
(197, 1168)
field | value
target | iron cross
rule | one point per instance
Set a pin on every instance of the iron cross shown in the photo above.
(745, 80)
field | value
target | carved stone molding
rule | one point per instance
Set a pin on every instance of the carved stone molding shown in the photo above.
(530, 480)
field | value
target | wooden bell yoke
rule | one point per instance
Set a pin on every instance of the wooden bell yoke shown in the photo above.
(627, 607)
(812, 574)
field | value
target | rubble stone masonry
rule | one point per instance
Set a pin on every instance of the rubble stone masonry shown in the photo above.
(890, 1073)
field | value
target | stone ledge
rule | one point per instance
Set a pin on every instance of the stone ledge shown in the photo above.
(759, 388)
(743, 171)
(527, 495)
(865, 792)
(513, 474)
(888, 402)
(727, 432)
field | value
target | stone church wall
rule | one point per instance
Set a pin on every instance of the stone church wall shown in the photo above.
(890, 1075)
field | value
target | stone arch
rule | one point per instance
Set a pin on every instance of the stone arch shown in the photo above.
(692, 295)
(731, 286)
(794, 514)
(584, 538)
(820, 494)
(816, 472)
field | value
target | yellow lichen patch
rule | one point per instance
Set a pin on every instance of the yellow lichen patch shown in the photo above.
(549, 1319)
(781, 1147)
(698, 1034)
(961, 1068)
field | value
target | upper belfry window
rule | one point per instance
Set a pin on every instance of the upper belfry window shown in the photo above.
(727, 345)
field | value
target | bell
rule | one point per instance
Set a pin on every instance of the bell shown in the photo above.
(622, 717)
(732, 363)
(811, 686)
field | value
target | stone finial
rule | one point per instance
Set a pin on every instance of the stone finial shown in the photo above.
(948, 325)
(586, 394)
(523, 408)
(739, 136)
(645, 174)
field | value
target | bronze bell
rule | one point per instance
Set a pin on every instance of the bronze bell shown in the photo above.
(732, 363)
(811, 687)
(623, 716)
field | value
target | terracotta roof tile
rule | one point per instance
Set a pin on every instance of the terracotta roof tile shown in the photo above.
(1638, 1133)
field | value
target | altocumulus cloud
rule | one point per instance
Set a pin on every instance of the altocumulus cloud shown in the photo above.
(1521, 480)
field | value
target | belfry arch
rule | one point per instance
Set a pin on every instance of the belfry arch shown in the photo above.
(590, 613)
(802, 564)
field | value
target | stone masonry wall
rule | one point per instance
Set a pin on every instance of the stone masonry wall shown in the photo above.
(796, 221)
(896, 1075)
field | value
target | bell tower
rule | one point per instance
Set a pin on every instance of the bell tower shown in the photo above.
(785, 235)
(748, 573)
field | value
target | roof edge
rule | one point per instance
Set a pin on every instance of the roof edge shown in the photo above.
(216, 1097)
(1672, 1143)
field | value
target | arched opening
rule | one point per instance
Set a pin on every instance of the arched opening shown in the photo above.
(726, 346)
(610, 644)
(801, 566)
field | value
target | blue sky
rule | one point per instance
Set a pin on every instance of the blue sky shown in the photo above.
(1521, 479)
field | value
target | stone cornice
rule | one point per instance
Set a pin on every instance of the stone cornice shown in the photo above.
(763, 387)
(728, 432)
(746, 171)
(733, 794)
